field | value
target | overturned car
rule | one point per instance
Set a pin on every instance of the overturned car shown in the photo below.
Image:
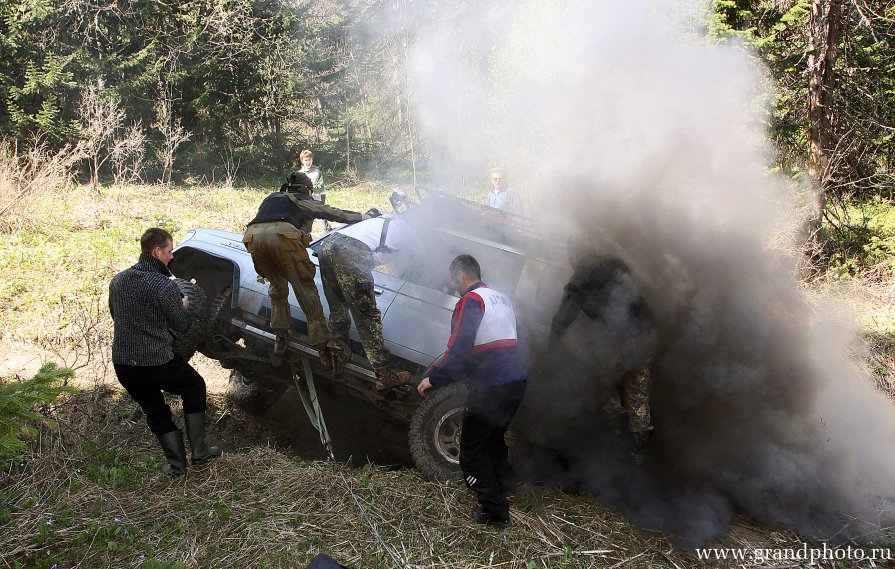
(233, 309)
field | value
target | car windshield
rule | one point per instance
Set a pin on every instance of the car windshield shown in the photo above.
(450, 226)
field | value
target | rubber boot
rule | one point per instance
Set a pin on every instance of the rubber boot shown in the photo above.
(195, 430)
(175, 452)
(637, 445)
(326, 356)
(332, 353)
(279, 346)
(388, 377)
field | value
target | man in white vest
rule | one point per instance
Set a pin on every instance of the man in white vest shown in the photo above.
(483, 350)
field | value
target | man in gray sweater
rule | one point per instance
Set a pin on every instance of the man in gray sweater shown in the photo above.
(146, 305)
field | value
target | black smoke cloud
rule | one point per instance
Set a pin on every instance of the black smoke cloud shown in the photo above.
(621, 124)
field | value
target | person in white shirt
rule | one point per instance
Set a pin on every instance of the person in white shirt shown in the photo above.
(306, 157)
(503, 196)
(313, 172)
(346, 264)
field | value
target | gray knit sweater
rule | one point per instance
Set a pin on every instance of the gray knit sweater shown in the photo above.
(145, 305)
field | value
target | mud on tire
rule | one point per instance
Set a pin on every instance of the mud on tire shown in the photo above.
(187, 343)
(254, 397)
(434, 435)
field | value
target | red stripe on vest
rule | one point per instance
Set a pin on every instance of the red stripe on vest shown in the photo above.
(495, 344)
(462, 304)
(474, 296)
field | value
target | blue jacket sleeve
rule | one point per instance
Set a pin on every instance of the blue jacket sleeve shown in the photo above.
(467, 317)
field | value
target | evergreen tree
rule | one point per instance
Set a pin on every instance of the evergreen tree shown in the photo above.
(19, 403)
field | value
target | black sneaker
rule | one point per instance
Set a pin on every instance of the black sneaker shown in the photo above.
(480, 516)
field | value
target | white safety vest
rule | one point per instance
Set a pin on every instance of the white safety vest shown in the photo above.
(498, 327)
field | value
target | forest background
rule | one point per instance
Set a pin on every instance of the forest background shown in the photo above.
(220, 91)
(121, 96)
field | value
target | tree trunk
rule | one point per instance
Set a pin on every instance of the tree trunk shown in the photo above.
(825, 30)
(282, 159)
(347, 142)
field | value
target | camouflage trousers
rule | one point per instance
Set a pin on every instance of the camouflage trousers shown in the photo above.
(346, 267)
(631, 398)
(279, 254)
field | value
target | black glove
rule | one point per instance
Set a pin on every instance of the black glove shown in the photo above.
(554, 341)
(373, 212)
(640, 439)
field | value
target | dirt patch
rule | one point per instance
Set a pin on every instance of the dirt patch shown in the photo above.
(20, 360)
(360, 432)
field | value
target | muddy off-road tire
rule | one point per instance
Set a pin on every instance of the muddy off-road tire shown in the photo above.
(434, 435)
(187, 343)
(254, 397)
(218, 328)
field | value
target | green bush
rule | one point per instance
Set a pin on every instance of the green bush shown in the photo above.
(19, 403)
(863, 237)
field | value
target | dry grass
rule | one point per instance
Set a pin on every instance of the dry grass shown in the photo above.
(867, 302)
(56, 269)
(28, 172)
(90, 494)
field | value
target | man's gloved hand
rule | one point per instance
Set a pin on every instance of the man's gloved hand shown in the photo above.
(373, 212)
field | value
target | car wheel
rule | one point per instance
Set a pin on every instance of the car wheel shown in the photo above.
(434, 435)
(218, 328)
(187, 343)
(253, 396)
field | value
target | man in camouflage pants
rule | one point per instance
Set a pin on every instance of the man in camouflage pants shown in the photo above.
(598, 285)
(276, 238)
(347, 260)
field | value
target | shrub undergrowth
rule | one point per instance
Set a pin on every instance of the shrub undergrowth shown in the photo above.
(21, 403)
(862, 240)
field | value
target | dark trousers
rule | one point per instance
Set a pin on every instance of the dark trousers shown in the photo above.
(146, 383)
(483, 451)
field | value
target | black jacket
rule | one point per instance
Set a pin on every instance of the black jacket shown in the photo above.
(300, 209)
(603, 288)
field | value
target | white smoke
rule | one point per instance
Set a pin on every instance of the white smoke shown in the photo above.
(620, 122)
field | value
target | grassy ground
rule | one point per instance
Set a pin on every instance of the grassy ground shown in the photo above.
(89, 492)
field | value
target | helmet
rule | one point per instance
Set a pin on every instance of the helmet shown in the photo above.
(299, 182)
